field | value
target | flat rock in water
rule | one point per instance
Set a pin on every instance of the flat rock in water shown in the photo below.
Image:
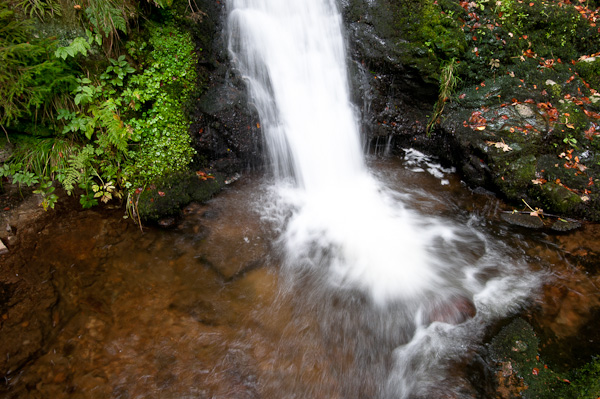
(523, 220)
(565, 225)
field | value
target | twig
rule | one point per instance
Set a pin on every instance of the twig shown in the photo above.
(6, 133)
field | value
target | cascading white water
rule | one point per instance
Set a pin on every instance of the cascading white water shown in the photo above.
(292, 54)
(338, 221)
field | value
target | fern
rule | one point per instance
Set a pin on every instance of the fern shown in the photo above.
(115, 133)
(109, 17)
(39, 8)
(29, 76)
(78, 46)
(79, 169)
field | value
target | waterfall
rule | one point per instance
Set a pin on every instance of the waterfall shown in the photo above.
(292, 55)
(339, 223)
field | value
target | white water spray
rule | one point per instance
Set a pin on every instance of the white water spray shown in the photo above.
(292, 54)
(339, 222)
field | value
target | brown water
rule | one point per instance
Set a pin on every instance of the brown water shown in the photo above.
(201, 310)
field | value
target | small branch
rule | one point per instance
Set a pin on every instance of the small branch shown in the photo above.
(6, 133)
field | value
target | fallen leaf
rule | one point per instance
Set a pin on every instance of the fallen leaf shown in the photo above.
(499, 144)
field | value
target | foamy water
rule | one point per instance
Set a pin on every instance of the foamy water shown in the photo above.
(336, 220)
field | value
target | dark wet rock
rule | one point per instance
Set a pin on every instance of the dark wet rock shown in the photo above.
(517, 133)
(523, 220)
(565, 225)
(225, 130)
(167, 197)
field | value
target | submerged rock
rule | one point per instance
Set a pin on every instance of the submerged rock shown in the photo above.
(565, 225)
(523, 220)
(452, 311)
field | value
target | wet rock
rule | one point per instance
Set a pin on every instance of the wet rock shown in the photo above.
(3, 248)
(565, 225)
(166, 197)
(559, 199)
(523, 220)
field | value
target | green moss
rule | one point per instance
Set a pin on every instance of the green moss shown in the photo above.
(586, 381)
(516, 348)
(558, 199)
(515, 173)
(589, 70)
(433, 33)
(517, 345)
(167, 195)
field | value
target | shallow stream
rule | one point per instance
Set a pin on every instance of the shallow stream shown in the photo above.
(205, 310)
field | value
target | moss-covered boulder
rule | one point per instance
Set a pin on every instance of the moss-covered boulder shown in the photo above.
(167, 196)
(520, 371)
(526, 111)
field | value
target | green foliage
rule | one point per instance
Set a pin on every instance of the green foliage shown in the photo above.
(105, 130)
(31, 78)
(46, 190)
(41, 8)
(115, 73)
(78, 173)
(448, 82)
(109, 17)
(586, 381)
(79, 45)
(43, 156)
(161, 91)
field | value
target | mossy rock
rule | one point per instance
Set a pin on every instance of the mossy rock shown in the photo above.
(558, 199)
(585, 381)
(167, 196)
(515, 348)
(515, 174)
(589, 70)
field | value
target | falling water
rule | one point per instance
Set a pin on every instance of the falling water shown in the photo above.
(339, 224)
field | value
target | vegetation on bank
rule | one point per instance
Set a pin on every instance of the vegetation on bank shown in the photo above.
(93, 96)
(522, 372)
(539, 57)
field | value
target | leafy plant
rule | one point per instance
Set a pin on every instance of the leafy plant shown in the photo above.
(163, 127)
(448, 82)
(109, 17)
(79, 45)
(30, 76)
(42, 156)
(115, 74)
(41, 8)
(24, 177)
(105, 191)
(46, 190)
